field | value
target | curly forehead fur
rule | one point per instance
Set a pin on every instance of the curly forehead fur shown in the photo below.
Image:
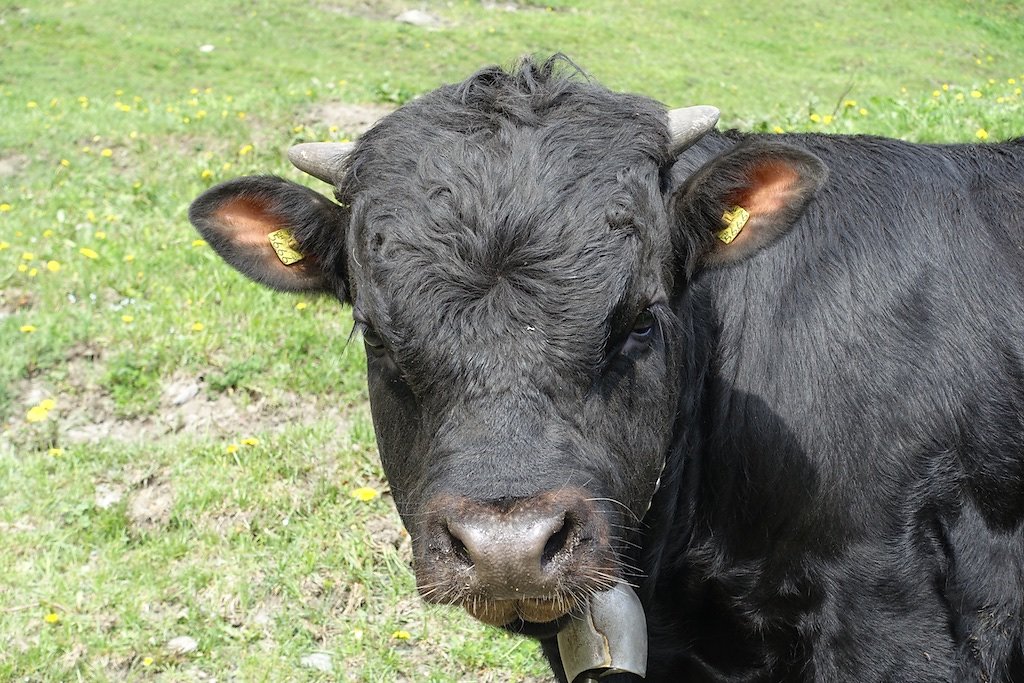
(517, 199)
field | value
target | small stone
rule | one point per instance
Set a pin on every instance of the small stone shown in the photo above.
(416, 17)
(321, 661)
(179, 393)
(182, 645)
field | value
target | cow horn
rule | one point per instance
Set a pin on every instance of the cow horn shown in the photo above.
(321, 160)
(689, 124)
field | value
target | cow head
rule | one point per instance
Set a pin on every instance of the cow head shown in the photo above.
(510, 247)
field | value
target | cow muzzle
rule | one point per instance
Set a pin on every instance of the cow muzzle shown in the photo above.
(532, 559)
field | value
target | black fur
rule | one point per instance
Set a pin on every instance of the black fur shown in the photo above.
(840, 412)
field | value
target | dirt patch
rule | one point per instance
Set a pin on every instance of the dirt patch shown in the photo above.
(14, 300)
(12, 165)
(149, 507)
(386, 531)
(366, 9)
(353, 119)
(186, 407)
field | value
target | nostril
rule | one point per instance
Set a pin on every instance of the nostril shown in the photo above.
(558, 540)
(459, 548)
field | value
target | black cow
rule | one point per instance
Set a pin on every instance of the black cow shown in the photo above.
(563, 308)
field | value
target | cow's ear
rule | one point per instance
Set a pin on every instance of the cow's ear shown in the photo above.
(276, 232)
(743, 200)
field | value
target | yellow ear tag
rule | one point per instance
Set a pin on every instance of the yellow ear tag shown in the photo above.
(734, 221)
(286, 246)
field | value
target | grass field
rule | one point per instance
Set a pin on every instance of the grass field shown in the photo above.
(189, 488)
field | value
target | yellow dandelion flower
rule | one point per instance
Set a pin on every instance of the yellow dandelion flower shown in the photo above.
(778, 129)
(47, 233)
(106, 152)
(364, 494)
(250, 441)
(28, 256)
(827, 119)
(147, 661)
(401, 635)
(33, 272)
(981, 134)
(27, 329)
(231, 448)
(1017, 91)
(198, 327)
(241, 115)
(936, 93)
(100, 235)
(90, 216)
(1011, 81)
(4, 245)
(198, 243)
(959, 97)
(56, 452)
(301, 306)
(245, 149)
(38, 413)
(863, 111)
(206, 174)
(945, 87)
(850, 104)
(22, 268)
(52, 618)
(127, 318)
(32, 104)
(88, 253)
(226, 166)
(976, 94)
(53, 266)
(5, 207)
(815, 118)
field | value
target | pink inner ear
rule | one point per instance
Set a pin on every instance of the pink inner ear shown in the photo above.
(769, 190)
(248, 221)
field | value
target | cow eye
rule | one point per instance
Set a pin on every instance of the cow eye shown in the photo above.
(642, 332)
(643, 326)
(373, 341)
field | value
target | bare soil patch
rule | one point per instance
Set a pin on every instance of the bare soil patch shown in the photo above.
(87, 414)
(12, 165)
(149, 507)
(353, 119)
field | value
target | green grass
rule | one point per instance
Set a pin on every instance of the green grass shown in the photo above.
(132, 510)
